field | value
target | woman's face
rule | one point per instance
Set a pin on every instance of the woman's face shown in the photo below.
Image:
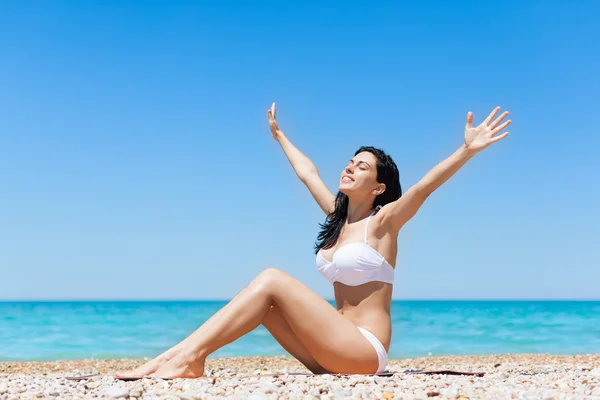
(360, 175)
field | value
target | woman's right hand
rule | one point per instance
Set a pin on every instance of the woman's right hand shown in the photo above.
(275, 129)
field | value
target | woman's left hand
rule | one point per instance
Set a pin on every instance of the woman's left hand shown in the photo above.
(480, 137)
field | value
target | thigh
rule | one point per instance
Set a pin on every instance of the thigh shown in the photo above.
(281, 331)
(332, 340)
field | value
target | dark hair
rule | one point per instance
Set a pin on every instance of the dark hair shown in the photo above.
(387, 173)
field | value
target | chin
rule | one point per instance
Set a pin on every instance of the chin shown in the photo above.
(345, 188)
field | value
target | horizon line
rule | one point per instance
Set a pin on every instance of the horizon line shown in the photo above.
(226, 300)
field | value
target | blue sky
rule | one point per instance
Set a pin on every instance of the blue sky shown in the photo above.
(136, 160)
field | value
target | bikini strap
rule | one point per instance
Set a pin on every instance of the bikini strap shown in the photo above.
(367, 224)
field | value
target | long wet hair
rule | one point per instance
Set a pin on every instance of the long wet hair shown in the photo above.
(387, 173)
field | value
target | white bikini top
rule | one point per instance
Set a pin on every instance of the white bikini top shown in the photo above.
(357, 263)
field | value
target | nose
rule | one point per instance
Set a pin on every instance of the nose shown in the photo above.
(349, 170)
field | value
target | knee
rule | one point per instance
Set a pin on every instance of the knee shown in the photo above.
(270, 278)
(272, 274)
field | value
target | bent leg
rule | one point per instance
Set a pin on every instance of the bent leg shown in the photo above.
(273, 322)
(319, 327)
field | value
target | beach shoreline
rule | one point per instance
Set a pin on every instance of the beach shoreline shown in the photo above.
(506, 376)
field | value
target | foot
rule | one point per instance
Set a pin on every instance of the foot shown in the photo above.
(181, 366)
(143, 370)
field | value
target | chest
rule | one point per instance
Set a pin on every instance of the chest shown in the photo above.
(351, 233)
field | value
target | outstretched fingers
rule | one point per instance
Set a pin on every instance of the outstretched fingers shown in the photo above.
(494, 134)
(499, 137)
(501, 127)
(498, 120)
(491, 116)
(272, 112)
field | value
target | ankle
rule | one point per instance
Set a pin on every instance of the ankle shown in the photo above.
(192, 356)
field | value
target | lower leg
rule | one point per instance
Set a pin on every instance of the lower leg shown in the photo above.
(242, 315)
(157, 362)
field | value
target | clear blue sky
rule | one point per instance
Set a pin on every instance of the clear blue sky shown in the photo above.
(136, 160)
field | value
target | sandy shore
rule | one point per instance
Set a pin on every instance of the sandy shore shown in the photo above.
(506, 377)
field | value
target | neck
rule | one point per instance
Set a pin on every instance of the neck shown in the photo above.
(359, 209)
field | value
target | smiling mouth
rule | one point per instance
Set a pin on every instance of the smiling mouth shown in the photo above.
(347, 179)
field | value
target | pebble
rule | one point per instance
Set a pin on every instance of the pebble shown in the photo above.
(92, 385)
(53, 391)
(550, 377)
(116, 392)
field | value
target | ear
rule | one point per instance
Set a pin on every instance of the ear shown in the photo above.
(379, 189)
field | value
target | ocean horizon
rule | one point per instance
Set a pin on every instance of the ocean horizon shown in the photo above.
(108, 329)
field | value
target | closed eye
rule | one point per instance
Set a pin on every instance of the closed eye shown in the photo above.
(364, 165)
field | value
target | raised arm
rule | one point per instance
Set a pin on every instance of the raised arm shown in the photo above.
(396, 214)
(303, 166)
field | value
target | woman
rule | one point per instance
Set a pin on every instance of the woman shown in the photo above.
(356, 252)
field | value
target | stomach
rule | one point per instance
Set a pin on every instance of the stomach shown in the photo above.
(367, 306)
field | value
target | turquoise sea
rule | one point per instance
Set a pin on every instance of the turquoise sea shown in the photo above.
(78, 330)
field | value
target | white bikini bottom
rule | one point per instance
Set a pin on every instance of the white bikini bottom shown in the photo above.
(381, 353)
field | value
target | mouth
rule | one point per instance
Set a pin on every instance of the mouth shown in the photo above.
(346, 178)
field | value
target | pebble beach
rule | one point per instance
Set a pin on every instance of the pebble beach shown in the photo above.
(506, 377)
